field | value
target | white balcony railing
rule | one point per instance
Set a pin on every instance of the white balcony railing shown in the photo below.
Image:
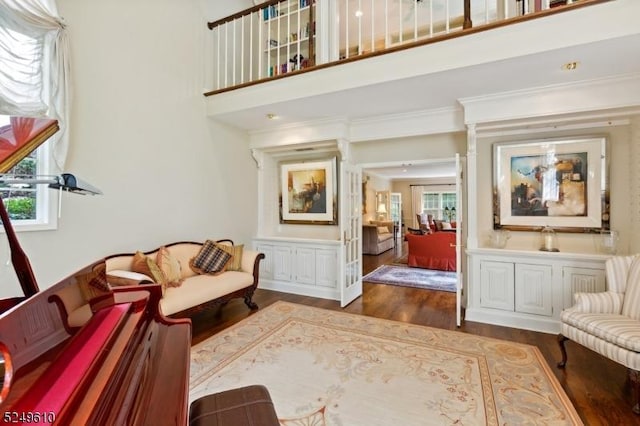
(283, 36)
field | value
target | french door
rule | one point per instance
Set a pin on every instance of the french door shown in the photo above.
(460, 165)
(350, 270)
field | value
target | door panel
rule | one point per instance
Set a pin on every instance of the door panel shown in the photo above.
(350, 277)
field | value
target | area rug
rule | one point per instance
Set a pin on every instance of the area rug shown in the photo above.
(331, 368)
(413, 277)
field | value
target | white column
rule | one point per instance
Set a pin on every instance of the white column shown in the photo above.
(472, 188)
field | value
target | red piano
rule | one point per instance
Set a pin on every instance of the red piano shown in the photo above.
(129, 365)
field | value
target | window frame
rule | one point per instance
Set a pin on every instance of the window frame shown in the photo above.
(438, 212)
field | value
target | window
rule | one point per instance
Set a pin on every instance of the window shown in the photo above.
(442, 205)
(30, 206)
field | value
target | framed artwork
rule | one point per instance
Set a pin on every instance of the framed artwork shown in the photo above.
(561, 183)
(309, 193)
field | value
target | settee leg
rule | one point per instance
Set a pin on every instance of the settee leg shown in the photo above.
(561, 340)
(634, 376)
(250, 303)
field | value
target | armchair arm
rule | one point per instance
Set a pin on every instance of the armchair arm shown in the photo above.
(607, 302)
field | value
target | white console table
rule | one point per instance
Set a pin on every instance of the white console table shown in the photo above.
(299, 266)
(528, 289)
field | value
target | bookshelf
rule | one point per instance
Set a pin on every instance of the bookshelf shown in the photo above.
(289, 36)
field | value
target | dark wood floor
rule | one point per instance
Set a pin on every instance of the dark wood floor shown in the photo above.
(598, 387)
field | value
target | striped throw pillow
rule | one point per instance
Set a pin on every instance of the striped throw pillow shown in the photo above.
(235, 264)
(210, 259)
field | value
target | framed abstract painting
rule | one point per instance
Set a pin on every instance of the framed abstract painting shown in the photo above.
(560, 183)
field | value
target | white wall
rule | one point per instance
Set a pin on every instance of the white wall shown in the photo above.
(139, 133)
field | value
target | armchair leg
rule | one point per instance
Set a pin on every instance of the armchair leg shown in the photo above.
(634, 376)
(563, 350)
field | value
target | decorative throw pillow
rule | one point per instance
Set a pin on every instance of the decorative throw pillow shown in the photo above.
(170, 267)
(235, 264)
(383, 230)
(210, 259)
(438, 224)
(94, 283)
(143, 264)
(446, 225)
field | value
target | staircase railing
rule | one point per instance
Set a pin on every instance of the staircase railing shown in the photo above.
(279, 38)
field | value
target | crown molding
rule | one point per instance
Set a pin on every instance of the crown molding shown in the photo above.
(571, 99)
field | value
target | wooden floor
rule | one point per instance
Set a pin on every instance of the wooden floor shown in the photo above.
(598, 387)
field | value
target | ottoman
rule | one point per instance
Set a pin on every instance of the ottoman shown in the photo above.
(249, 405)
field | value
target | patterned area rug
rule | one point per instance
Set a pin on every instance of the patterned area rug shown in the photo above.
(413, 277)
(331, 368)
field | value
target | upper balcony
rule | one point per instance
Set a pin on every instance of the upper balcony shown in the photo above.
(281, 52)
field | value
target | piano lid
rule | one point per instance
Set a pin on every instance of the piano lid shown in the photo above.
(23, 135)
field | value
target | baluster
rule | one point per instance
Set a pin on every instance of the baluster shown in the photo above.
(400, 36)
(233, 69)
(219, 36)
(386, 24)
(226, 55)
(346, 32)
(430, 18)
(251, 46)
(415, 20)
(373, 34)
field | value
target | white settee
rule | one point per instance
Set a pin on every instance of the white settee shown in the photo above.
(196, 292)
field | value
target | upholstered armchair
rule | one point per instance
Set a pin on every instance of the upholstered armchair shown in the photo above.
(609, 322)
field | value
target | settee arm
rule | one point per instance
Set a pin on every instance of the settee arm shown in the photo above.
(67, 300)
(606, 302)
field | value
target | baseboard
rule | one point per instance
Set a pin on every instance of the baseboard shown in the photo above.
(300, 289)
(513, 320)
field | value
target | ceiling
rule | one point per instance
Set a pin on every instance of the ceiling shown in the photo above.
(618, 56)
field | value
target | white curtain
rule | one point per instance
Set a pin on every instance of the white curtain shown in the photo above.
(34, 66)
(416, 204)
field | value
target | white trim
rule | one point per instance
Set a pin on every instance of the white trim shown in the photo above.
(615, 92)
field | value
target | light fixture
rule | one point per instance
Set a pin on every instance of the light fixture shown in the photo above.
(382, 211)
(271, 116)
(64, 182)
(570, 66)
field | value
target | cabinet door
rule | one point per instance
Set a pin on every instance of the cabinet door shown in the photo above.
(305, 265)
(326, 268)
(533, 289)
(266, 264)
(282, 263)
(496, 285)
(581, 280)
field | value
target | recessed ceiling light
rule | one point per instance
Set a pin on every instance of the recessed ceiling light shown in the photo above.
(570, 66)
(271, 116)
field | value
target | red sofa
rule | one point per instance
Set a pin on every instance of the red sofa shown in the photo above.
(432, 251)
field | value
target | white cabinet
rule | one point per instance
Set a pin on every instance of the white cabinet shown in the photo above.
(497, 285)
(533, 289)
(306, 267)
(581, 280)
(528, 289)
